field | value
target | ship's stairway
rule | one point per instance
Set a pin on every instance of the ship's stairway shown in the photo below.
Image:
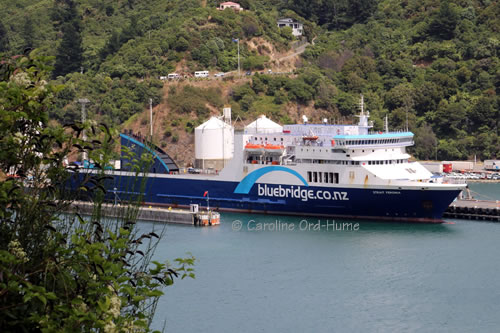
(162, 163)
(172, 166)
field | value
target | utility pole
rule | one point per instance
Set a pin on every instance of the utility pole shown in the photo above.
(151, 117)
(407, 119)
(239, 73)
(237, 40)
(83, 102)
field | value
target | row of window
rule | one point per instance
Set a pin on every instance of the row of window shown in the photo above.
(355, 142)
(322, 177)
(265, 139)
(386, 162)
(305, 160)
(342, 151)
(372, 142)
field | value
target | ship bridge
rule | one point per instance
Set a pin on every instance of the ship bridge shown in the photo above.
(400, 139)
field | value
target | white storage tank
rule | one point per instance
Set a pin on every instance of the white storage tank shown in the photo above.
(263, 125)
(214, 144)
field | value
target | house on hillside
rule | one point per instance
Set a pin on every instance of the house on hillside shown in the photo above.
(232, 5)
(297, 27)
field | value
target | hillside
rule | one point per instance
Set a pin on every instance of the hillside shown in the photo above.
(433, 63)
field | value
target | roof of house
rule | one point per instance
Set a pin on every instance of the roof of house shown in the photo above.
(229, 3)
(288, 20)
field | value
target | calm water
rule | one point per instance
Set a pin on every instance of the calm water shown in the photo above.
(383, 277)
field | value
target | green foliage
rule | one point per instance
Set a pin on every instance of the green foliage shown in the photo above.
(444, 22)
(111, 100)
(192, 99)
(436, 66)
(4, 38)
(333, 13)
(425, 142)
(255, 62)
(58, 271)
(437, 62)
(69, 53)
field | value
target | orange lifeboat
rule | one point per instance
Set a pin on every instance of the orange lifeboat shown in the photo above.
(252, 147)
(274, 148)
(310, 138)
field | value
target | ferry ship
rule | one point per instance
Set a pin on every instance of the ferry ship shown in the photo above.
(326, 170)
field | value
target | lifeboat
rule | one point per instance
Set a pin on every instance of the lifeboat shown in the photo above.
(278, 149)
(252, 147)
(310, 138)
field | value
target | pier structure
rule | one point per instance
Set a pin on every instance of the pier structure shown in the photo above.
(193, 216)
(487, 210)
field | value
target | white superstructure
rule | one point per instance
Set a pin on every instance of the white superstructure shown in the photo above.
(328, 155)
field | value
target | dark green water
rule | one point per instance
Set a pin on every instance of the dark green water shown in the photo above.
(384, 277)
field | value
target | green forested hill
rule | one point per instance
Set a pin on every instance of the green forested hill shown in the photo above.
(433, 62)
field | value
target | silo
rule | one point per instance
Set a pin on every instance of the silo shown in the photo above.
(214, 144)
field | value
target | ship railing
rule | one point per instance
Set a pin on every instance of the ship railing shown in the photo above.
(450, 180)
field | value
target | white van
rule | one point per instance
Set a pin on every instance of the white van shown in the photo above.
(201, 74)
(173, 76)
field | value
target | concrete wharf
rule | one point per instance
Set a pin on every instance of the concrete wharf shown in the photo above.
(488, 210)
(151, 213)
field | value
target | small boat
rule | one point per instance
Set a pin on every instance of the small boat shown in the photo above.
(310, 138)
(208, 218)
(269, 148)
(251, 147)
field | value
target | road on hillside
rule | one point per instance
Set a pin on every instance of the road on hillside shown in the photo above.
(298, 51)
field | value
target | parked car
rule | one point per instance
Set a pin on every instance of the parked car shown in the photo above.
(193, 170)
(220, 74)
(248, 73)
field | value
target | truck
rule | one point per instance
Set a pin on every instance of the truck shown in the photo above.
(493, 165)
(461, 165)
(201, 74)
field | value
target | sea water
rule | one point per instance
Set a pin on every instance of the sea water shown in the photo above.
(262, 273)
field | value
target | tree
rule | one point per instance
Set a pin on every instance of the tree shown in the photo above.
(425, 142)
(60, 272)
(444, 21)
(69, 55)
(28, 32)
(4, 38)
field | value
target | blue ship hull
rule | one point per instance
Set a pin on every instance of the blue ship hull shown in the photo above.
(412, 205)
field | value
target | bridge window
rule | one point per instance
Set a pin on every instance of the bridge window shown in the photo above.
(309, 176)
